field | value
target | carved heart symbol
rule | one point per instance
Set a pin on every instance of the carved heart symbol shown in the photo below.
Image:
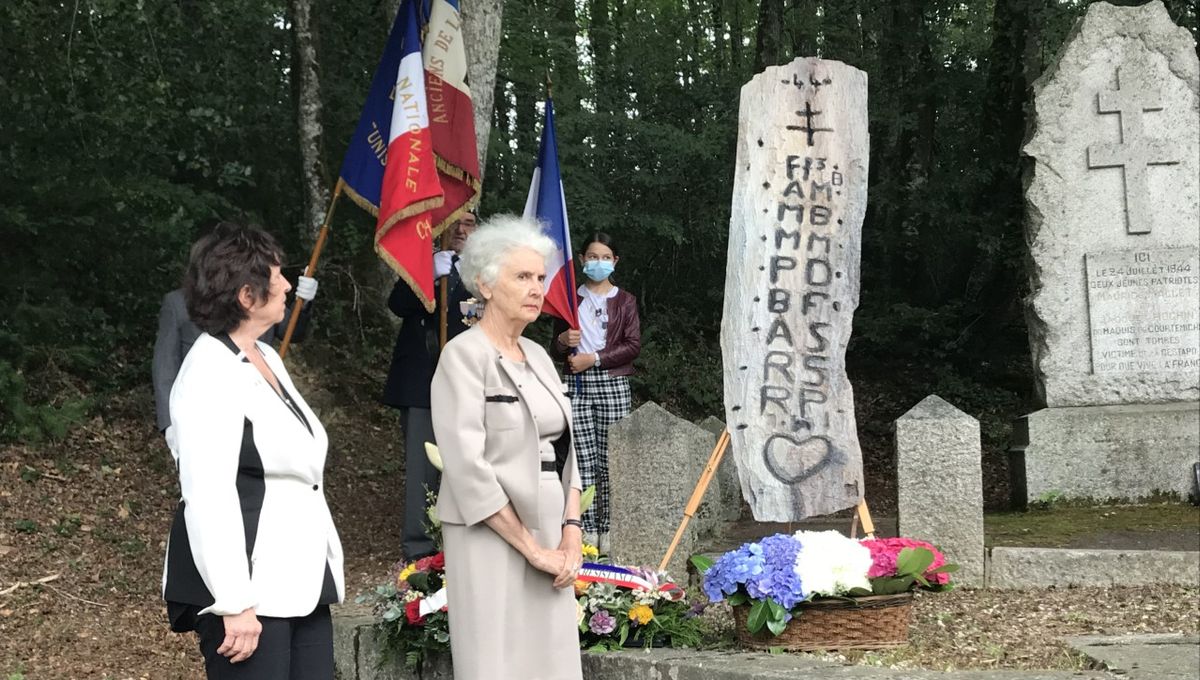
(793, 460)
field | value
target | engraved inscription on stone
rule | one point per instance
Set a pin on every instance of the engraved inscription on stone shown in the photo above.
(1134, 151)
(792, 286)
(1144, 309)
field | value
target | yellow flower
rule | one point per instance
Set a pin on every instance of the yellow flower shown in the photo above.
(641, 613)
(581, 587)
(590, 551)
(405, 573)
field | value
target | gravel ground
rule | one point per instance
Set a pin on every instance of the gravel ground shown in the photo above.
(966, 630)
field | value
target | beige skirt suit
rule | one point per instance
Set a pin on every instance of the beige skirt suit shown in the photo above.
(499, 423)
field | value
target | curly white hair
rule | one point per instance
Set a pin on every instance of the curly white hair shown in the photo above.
(493, 241)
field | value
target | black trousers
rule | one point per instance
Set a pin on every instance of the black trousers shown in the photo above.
(288, 649)
(419, 475)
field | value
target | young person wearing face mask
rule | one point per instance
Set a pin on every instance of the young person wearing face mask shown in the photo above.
(598, 360)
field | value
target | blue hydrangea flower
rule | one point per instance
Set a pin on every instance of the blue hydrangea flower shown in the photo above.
(733, 569)
(778, 579)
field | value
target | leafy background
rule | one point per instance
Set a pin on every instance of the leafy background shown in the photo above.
(126, 125)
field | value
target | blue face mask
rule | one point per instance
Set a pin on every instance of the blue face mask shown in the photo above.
(598, 270)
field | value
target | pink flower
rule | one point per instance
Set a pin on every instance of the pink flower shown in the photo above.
(883, 558)
(884, 552)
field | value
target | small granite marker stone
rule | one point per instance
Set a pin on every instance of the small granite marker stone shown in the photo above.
(939, 484)
(654, 461)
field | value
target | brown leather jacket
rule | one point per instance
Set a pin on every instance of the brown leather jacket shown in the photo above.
(622, 338)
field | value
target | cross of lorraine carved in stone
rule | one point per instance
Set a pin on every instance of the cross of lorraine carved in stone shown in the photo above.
(1135, 152)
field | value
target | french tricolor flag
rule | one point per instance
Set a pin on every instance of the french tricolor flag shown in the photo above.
(451, 113)
(548, 205)
(411, 189)
(412, 161)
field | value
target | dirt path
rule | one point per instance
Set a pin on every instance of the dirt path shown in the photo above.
(92, 514)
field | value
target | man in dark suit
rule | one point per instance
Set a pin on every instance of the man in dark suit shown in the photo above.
(407, 388)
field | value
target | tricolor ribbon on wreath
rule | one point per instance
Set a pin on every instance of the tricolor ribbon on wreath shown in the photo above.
(592, 572)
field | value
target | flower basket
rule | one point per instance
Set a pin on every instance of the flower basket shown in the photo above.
(869, 622)
(816, 590)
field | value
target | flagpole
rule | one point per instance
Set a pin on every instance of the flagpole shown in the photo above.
(312, 266)
(443, 298)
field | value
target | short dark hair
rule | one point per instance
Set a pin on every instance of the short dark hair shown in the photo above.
(220, 264)
(599, 237)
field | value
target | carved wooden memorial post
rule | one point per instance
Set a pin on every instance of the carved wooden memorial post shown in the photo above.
(800, 192)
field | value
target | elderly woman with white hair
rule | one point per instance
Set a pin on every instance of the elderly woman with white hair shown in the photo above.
(509, 499)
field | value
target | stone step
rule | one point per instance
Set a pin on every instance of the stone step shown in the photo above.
(357, 653)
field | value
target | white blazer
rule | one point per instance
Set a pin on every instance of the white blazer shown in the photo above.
(256, 528)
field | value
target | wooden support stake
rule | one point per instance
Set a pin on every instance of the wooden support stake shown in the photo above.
(862, 515)
(312, 267)
(693, 504)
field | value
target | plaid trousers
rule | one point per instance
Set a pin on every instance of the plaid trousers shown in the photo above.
(597, 401)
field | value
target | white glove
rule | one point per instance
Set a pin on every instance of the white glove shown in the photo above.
(172, 444)
(306, 288)
(442, 261)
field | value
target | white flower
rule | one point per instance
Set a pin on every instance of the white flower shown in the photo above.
(828, 563)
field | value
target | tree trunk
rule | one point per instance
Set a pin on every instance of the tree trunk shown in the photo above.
(842, 32)
(803, 28)
(481, 34)
(564, 63)
(768, 49)
(308, 118)
(1014, 61)
(600, 42)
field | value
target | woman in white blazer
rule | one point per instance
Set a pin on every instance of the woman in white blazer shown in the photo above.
(253, 560)
(509, 499)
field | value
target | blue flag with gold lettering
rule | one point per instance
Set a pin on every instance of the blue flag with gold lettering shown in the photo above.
(362, 168)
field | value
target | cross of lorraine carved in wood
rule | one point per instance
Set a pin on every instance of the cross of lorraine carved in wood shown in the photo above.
(1135, 152)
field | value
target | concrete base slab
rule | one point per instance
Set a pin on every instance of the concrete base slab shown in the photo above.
(1105, 453)
(1028, 568)
(357, 654)
(1143, 657)
(682, 664)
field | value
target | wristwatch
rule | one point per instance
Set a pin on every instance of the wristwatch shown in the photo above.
(597, 364)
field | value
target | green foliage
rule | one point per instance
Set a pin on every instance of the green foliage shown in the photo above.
(25, 526)
(127, 125)
(769, 614)
(912, 567)
(701, 562)
(587, 498)
(1047, 500)
(68, 525)
(662, 622)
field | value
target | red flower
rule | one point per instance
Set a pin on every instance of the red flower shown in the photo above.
(423, 563)
(438, 562)
(413, 611)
